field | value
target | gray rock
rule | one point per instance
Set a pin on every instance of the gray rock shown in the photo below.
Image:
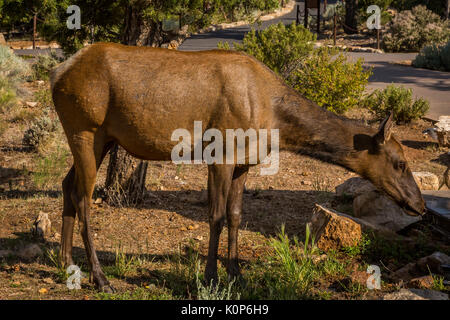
(423, 266)
(416, 294)
(378, 209)
(354, 187)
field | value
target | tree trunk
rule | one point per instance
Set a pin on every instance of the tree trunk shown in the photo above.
(351, 10)
(125, 178)
(125, 181)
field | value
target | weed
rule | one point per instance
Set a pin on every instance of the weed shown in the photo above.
(54, 257)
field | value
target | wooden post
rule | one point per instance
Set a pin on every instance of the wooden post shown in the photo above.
(378, 39)
(297, 16)
(34, 30)
(306, 14)
(334, 27)
(318, 17)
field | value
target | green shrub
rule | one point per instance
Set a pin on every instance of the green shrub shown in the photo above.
(12, 70)
(43, 65)
(12, 67)
(434, 57)
(279, 47)
(411, 30)
(399, 100)
(289, 51)
(39, 130)
(331, 81)
(437, 6)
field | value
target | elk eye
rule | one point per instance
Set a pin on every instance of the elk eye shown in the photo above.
(402, 166)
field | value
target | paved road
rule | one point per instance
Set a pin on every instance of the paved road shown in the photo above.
(208, 41)
(432, 85)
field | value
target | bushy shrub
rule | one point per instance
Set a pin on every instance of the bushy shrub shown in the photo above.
(12, 70)
(434, 57)
(43, 65)
(39, 130)
(279, 47)
(331, 81)
(437, 6)
(399, 100)
(42, 127)
(12, 67)
(411, 30)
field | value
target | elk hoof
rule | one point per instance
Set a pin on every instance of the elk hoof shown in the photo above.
(107, 288)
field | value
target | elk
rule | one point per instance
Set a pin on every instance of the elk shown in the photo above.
(136, 97)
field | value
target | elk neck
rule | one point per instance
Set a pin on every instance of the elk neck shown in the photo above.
(308, 129)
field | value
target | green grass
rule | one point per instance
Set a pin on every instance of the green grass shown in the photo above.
(141, 293)
(50, 168)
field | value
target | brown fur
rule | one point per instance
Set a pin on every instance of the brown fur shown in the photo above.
(138, 96)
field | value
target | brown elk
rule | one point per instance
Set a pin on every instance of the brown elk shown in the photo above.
(138, 96)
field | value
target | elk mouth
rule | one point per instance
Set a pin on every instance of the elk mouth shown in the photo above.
(410, 210)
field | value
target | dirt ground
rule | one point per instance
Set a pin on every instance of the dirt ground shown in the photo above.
(173, 214)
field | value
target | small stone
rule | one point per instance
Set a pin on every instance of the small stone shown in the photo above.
(48, 280)
(426, 180)
(42, 225)
(31, 104)
(416, 294)
(30, 252)
(183, 229)
(43, 291)
(199, 238)
(98, 201)
(306, 182)
(425, 282)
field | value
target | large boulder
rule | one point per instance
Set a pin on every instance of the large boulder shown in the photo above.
(426, 180)
(378, 209)
(354, 187)
(334, 230)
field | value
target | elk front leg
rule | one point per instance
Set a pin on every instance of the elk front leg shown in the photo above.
(234, 211)
(219, 181)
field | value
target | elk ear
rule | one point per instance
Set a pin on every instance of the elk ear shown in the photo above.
(385, 130)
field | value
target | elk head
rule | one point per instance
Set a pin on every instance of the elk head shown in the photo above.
(380, 158)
